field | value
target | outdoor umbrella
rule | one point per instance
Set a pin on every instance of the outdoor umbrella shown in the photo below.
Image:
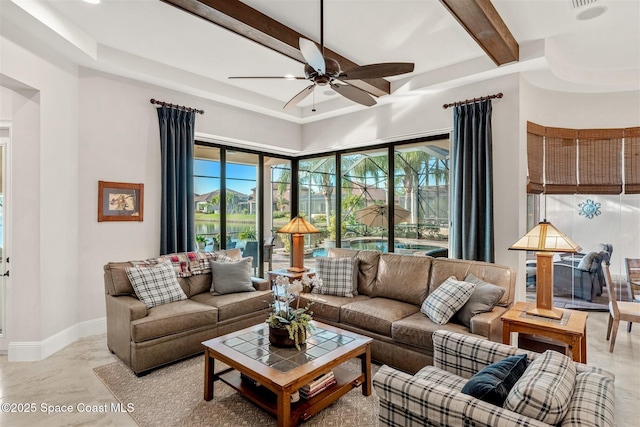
(376, 215)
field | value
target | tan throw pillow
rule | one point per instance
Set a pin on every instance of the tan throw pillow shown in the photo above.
(231, 277)
(484, 297)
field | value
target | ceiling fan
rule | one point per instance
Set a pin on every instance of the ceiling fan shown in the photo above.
(323, 71)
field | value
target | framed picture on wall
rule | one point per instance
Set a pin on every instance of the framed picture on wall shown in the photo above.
(120, 201)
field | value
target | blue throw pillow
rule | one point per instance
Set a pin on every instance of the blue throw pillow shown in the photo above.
(492, 384)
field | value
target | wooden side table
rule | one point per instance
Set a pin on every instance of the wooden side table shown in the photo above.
(571, 329)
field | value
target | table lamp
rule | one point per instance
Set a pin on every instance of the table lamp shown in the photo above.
(545, 239)
(298, 227)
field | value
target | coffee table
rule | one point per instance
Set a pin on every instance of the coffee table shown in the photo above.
(282, 371)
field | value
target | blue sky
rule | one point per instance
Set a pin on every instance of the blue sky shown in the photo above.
(240, 178)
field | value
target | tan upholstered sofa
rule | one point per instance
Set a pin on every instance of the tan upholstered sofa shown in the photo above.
(391, 289)
(146, 338)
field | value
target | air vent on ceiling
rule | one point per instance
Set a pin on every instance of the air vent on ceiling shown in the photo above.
(587, 9)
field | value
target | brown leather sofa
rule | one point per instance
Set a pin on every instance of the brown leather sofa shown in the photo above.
(148, 338)
(391, 289)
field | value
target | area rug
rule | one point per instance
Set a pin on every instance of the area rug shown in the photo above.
(172, 396)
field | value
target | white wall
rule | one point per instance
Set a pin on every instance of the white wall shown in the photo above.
(120, 142)
(44, 208)
(71, 128)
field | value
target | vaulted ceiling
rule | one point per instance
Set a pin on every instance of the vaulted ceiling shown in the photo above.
(194, 46)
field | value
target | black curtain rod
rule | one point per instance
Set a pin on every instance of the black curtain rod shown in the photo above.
(180, 107)
(470, 101)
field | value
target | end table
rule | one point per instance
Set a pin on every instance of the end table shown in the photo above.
(571, 329)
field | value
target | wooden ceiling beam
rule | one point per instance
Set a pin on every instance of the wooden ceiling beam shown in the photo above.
(484, 24)
(260, 28)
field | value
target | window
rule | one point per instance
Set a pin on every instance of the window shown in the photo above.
(422, 188)
(365, 199)
(206, 170)
(585, 182)
(317, 202)
(244, 197)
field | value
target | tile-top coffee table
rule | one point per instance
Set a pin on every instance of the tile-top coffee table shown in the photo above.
(282, 371)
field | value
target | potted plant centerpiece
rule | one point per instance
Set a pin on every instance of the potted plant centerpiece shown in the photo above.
(289, 323)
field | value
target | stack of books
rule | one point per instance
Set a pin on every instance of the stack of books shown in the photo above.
(317, 386)
(249, 380)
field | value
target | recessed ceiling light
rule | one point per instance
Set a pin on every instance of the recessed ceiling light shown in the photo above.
(92, 1)
(587, 9)
(591, 13)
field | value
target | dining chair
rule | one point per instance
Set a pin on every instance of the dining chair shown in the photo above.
(633, 281)
(618, 310)
(633, 278)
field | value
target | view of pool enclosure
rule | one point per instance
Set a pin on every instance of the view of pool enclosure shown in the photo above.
(350, 196)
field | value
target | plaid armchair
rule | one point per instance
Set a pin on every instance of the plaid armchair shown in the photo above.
(432, 397)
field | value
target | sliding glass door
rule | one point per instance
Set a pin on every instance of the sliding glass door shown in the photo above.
(242, 204)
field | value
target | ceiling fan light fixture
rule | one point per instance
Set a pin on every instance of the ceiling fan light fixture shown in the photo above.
(323, 71)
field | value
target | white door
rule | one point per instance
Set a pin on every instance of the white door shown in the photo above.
(5, 269)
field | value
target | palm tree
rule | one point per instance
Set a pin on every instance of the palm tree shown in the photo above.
(412, 165)
(322, 174)
(364, 173)
(283, 184)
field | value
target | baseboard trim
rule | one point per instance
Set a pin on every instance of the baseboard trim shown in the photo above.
(33, 351)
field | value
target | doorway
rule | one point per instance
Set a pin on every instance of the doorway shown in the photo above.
(4, 257)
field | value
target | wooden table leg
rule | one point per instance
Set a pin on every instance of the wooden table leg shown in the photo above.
(583, 346)
(209, 376)
(284, 408)
(576, 348)
(365, 362)
(506, 333)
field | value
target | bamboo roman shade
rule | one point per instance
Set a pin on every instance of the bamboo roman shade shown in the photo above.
(560, 161)
(535, 157)
(583, 161)
(632, 161)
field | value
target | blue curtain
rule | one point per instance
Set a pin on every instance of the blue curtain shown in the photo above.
(177, 209)
(472, 183)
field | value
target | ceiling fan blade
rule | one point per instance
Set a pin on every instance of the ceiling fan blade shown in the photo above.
(374, 71)
(354, 94)
(299, 97)
(269, 77)
(312, 55)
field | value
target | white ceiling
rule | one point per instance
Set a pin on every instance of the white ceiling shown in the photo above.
(157, 43)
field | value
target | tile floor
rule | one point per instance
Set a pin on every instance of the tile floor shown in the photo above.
(67, 379)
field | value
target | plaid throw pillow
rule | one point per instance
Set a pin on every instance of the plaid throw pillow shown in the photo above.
(448, 298)
(544, 391)
(337, 276)
(155, 285)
